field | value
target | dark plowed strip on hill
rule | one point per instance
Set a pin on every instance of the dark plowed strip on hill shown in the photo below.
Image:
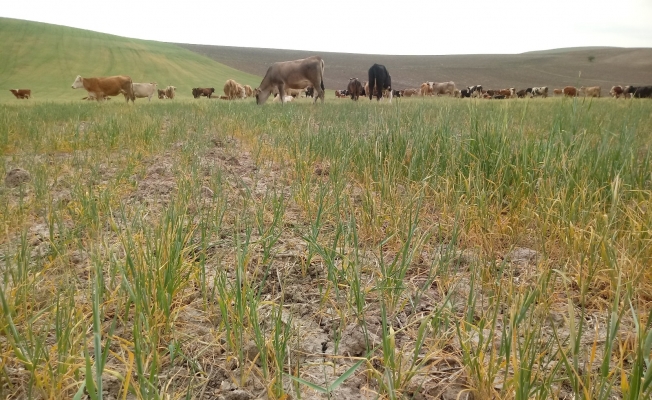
(553, 68)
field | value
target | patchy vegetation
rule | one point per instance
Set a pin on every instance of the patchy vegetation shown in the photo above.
(432, 249)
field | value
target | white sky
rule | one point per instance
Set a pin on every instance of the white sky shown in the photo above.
(366, 26)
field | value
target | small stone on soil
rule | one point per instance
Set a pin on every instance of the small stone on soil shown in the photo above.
(17, 177)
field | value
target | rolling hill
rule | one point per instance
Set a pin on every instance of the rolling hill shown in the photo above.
(554, 68)
(46, 59)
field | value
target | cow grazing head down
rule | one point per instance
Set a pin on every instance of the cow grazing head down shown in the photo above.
(379, 80)
(295, 74)
(261, 96)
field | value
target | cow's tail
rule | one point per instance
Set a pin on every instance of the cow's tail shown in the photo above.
(132, 94)
(322, 75)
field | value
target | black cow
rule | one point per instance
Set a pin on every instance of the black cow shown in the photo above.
(465, 93)
(643, 92)
(310, 91)
(397, 93)
(379, 80)
(475, 90)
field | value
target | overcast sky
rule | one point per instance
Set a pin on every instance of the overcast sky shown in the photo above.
(367, 26)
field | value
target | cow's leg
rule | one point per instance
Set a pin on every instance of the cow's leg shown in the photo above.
(281, 92)
(390, 95)
(318, 92)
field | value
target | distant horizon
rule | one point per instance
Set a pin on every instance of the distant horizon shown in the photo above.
(408, 28)
(408, 55)
(340, 52)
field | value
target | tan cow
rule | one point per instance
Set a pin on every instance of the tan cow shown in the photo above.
(558, 92)
(249, 92)
(21, 93)
(142, 90)
(233, 90)
(295, 74)
(411, 92)
(570, 91)
(426, 88)
(161, 94)
(106, 86)
(591, 91)
(170, 91)
(293, 92)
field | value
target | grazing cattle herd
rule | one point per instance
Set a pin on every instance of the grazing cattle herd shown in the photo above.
(290, 79)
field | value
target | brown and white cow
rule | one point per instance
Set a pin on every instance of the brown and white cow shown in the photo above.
(106, 86)
(142, 90)
(591, 91)
(570, 91)
(616, 91)
(509, 92)
(21, 93)
(295, 74)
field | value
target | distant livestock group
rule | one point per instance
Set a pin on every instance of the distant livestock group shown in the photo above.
(289, 79)
(356, 89)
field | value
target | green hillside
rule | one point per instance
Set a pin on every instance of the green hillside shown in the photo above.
(46, 59)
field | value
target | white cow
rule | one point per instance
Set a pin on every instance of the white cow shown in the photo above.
(539, 91)
(142, 90)
(285, 99)
(443, 88)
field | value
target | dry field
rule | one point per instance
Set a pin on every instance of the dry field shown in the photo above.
(553, 68)
(427, 249)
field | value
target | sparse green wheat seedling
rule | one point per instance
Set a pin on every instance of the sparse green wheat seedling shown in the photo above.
(439, 190)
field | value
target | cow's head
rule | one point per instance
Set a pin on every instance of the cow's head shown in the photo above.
(78, 83)
(261, 95)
